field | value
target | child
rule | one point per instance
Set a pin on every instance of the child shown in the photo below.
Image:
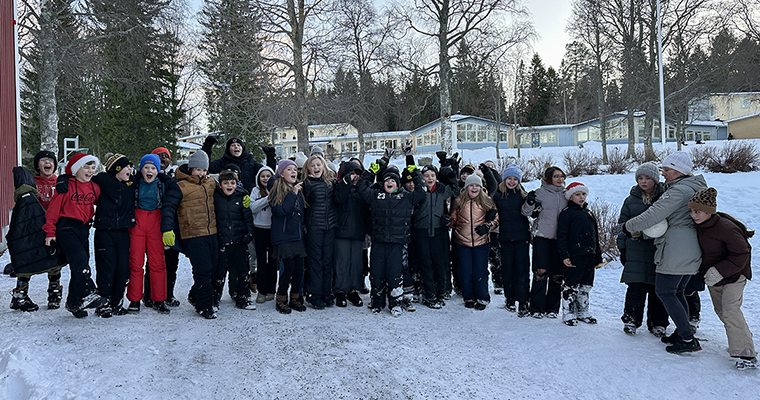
(578, 247)
(473, 217)
(349, 236)
(514, 238)
(192, 200)
(146, 236)
(320, 231)
(637, 257)
(391, 216)
(67, 222)
(287, 202)
(266, 275)
(235, 230)
(726, 268)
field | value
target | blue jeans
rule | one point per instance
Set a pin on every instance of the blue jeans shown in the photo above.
(473, 272)
(670, 289)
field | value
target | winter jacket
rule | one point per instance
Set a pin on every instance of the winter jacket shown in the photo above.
(45, 189)
(724, 246)
(248, 165)
(550, 200)
(353, 214)
(514, 226)
(25, 238)
(234, 223)
(678, 250)
(192, 200)
(577, 233)
(320, 209)
(428, 216)
(391, 213)
(288, 219)
(77, 203)
(116, 206)
(466, 219)
(637, 252)
(262, 213)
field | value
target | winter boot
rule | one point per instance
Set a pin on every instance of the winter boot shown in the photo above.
(207, 313)
(523, 311)
(244, 303)
(694, 322)
(657, 331)
(281, 304)
(172, 301)
(340, 300)
(20, 299)
(480, 305)
(134, 307)
(684, 347)
(569, 306)
(406, 302)
(296, 302)
(104, 311)
(355, 299)
(55, 294)
(582, 300)
(746, 363)
(509, 305)
(396, 311)
(161, 307)
(629, 325)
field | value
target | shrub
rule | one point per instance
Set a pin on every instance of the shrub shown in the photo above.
(606, 216)
(700, 156)
(735, 156)
(581, 162)
(619, 163)
(534, 168)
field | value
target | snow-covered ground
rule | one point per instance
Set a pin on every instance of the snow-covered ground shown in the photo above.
(351, 353)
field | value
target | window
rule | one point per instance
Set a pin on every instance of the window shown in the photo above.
(548, 137)
(583, 135)
(745, 102)
(284, 135)
(419, 140)
(671, 132)
(706, 135)
(689, 135)
(292, 149)
(504, 136)
(482, 133)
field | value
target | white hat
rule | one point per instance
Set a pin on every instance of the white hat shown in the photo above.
(300, 159)
(679, 161)
(657, 229)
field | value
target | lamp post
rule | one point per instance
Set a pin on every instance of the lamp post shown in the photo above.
(659, 61)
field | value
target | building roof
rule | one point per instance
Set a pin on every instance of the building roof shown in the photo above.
(456, 118)
(744, 117)
(367, 136)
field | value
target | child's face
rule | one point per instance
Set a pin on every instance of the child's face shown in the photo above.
(699, 216)
(578, 198)
(290, 174)
(124, 174)
(316, 168)
(149, 172)
(165, 160)
(236, 149)
(228, 186)
(390, 186)
(264, 178)
(558, 179)
(199, 172)
(511, 182)
(46, 165)
(646, 184)
(85, 173)
(429, 178)
(409, 186)
(473, 190)
(463, 176)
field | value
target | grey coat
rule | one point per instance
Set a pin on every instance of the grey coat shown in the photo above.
(550, 200)
(678, 251)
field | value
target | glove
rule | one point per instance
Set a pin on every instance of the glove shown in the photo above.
(531, 198)
(246, 201)
(483, 167)
(442, 158)
(374, 167)
(482, 229)
(169, 238)
(620, 228)
(382, 162)
(407, 150)
(491, 214)
(62, 183)
(211, 140)
(445, 220)
(388, 153)
(268, 151)
(247, 238)
(411, 168)
(712, 276)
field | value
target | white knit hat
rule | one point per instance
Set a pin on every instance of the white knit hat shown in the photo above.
(300, 159)
(679, 161)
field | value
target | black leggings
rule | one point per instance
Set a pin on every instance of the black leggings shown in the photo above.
(291, 276)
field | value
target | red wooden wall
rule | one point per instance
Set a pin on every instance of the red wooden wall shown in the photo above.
(8, 128)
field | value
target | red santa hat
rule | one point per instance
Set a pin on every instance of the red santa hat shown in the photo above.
(575, 187)
(78, 161)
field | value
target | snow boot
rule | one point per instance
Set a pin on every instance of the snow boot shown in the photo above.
(657, 331)
(20, 299)
(582, 301)
(434, 304)
(509, 305)
(629, 325)
(161, 307)
(134, 307)
(746, 363)
(469, 303)
(396, 311)
(569, 306)
(207, 313)
(684, 347)
(281, 304)
(480, 305)
(55, 294)
(523, 311)
(104, 311)
(340, 300)
(296, 302)
(355, 299)
(172, 301)
(244, 303)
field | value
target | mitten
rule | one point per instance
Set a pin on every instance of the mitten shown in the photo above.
(62, 183)
(491, 214)
(482, 229)
(411, 168)
(211, 140)
(530, 199)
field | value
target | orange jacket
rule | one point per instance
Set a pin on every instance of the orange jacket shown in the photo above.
(466, 219)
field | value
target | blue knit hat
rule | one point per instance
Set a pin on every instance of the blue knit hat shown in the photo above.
(512, 170)
(150, 159)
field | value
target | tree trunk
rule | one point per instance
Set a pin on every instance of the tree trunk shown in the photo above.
(448, 141)
(648, 128)
(296, 17)
(48, 78)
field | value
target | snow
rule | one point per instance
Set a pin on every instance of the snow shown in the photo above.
(351, 353)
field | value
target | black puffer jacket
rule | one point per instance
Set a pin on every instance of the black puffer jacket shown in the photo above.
(25, 238)
(637, 254)
(116, 205)
(513, 224)
(248, 165)
(353, 218)
(577, 233)
(234, 223)
(391, 214)
(320, 208)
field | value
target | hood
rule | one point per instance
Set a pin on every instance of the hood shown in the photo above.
(24, 189)
(551, 187)
(22, 176)
(264, 168)
(182, 173)
(695, 182)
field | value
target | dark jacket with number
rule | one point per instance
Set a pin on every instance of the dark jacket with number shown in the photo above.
(513, 224)
(320, 212)
(724, 246)
(577, 232)
(287, 218)
(353, 218)
(391, 213)
(637, 253)
(234, 223)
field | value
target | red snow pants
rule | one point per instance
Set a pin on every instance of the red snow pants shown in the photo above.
(146, 236)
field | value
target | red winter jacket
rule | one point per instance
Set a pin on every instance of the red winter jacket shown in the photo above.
(78, 203)
(46, 189)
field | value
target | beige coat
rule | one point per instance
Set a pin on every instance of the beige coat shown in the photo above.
(466, 219)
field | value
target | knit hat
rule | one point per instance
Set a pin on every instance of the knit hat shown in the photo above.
(429, 168)
(392, 175)
(512, 170)
(300, 159)
(78, 160)
(705, 200)
(159, 150)
(199, 159)
(317, 150)
(406, 176)
(679, 161)
(284, 164)
(346, 168)
(649, 169)
(473, 179)
(230, 142)
(467, 169)
(151, 159)
(44, 154)
(575, 187)
(115, 163)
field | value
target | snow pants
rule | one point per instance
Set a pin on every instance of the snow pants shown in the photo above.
(385, 274)
(266, 265)
(670, 289)
(494, 261)
(171, 261)
(547, 276)
(144, 237)
(727, 302)
(73, 239)
(112, 264)
(432, 256)
(473, 272)
(203, 253)
(635, 300)
(515, 271)
(232, 258)
(348, 266)
(319, 248)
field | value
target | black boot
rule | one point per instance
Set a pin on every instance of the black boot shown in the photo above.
(20, 300)
(55, 294)
(340, 300)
